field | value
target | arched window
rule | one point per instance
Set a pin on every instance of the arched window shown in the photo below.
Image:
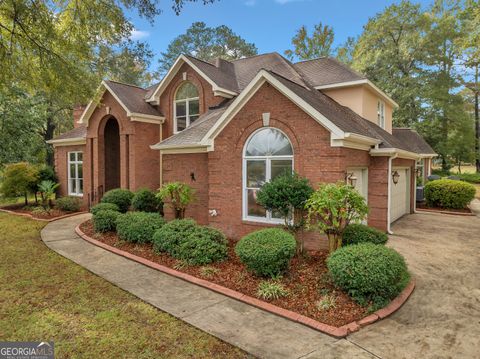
(267, 154)
(187, 107)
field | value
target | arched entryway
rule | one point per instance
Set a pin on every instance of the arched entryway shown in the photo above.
(112, 154)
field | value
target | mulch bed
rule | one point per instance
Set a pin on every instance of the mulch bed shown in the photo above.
(440, 209)
(19, 208)
(307, 280)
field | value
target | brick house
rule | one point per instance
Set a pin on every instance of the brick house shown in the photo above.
(227, 127)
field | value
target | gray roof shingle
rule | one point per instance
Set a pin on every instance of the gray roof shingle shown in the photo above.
(413, 140)
(78, 132)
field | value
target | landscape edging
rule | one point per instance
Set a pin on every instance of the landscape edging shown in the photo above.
(428, 210)
(337, 332)
(26, 215)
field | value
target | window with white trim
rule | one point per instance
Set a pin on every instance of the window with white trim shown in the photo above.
(186, 106)
(75, 173)
(420, 171)
(381, 114)
(267, 154)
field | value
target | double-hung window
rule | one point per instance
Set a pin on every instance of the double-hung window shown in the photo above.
(75, 173)
(381, 114)
(267, 154)
(187, 106)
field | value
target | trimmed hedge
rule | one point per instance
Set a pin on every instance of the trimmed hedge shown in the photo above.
(202, 246)
(168, 238)
(138, 227)
(447, 193)
(469, 177)
(360, 233)
(121, 197)
(266, 252)
(369, 272)
(145, 200)
(68, 204)
(103, 206)
(105, 220)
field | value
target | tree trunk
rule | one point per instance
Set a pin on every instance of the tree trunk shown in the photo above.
(48, 135)
(26, 199)
(477, 122)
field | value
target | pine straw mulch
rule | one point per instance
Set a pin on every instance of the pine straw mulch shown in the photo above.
(20, 208)
(306, 281)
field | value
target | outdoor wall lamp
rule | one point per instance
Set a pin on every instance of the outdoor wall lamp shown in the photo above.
(350, 179)
(395, 177)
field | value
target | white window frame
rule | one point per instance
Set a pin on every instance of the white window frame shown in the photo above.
(268, 175)
(420, 164)
(187, 109)
(381, 113)
(75, 162)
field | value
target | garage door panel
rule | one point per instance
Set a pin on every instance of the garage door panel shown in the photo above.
(400, 202)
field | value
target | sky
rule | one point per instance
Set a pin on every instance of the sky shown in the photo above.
(269, 24)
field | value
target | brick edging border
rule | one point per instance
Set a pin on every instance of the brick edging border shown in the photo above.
(337, 332)
(446, 212)
(26, 215)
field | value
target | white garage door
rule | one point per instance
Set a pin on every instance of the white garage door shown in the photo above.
(400, 194)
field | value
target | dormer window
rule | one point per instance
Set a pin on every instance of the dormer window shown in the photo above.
(381, 114)
(187, 106)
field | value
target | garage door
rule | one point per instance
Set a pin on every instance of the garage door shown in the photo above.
(400, 194)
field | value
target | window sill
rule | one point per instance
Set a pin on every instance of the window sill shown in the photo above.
(260, 223)
(75, 195)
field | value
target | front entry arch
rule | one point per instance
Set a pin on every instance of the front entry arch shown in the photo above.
(112, 154)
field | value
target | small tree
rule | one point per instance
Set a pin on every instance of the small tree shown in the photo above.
(18, 180)
(179, 195)
(332, 207)
(47, 191)
(287, 195)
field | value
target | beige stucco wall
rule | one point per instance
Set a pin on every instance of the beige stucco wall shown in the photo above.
(361, 100)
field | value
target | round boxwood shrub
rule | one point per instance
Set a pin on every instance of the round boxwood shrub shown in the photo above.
(202, 246)
(145, 200)
(167, 239)
(105, 220)
(103, 206)
(266, 252)
(369, 272)
(121, 197)
(447, 193)
(360, 233)
(138, 227)
(68, 204)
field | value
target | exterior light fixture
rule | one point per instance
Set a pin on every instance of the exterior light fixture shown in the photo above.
(350, 179)
(395, 177)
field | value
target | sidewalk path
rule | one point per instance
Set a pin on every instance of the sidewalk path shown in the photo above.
(262, 334)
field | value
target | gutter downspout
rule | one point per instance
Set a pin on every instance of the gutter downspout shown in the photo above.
(389, 205)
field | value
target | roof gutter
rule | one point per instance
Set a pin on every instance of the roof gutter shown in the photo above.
(68, 141)
(394, 151)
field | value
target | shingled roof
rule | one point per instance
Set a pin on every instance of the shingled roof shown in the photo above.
(413, 140)
(79, 132)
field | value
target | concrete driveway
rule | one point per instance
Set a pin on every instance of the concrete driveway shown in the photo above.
(442, 317)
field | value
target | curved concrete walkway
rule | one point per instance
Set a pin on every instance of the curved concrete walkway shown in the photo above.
(260, 333)
(436, 322)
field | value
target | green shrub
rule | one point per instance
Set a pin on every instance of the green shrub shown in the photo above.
(447, 193)
(138, 227)
(470, 177)
(104, 206)
(167, 239)
(369, 272)
(270, 290)
(360, 233)
(18, 179)
(145, 200)
(202, 246)
(105, 220)
(121, 197)
(39, 211)
(178, 195)
(266, 252)
(68, 204)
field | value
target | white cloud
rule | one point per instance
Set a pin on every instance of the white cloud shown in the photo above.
(250, 2)
(139, 34)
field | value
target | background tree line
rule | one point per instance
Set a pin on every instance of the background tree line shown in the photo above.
(54, 55)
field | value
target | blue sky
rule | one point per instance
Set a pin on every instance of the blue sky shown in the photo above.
(269, 24)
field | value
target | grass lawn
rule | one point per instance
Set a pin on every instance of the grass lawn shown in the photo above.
(46, 297)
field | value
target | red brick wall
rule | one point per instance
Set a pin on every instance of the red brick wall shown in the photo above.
(179, 167)
(378, 192)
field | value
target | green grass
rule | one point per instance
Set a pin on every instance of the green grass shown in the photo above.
(44, 296)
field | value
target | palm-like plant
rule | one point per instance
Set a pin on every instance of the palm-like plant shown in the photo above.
(47, 190)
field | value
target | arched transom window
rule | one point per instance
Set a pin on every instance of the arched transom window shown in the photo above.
(186, 106)
(267, 154)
